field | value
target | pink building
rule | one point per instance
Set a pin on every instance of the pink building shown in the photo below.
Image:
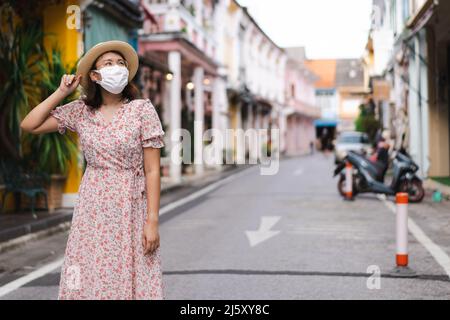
(183, 35)
(301, 110)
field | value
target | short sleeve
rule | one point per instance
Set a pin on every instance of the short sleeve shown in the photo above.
(67, 115)
(152, 134)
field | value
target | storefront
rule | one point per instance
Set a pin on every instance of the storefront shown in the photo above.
(111, 20)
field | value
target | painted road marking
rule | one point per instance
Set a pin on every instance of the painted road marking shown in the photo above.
(173, 205)
(263, 233)
(16, 284)
(38, 273)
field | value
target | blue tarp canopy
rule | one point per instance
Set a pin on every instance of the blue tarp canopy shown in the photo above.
(325, 123)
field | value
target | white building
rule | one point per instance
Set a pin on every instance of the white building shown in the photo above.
(398, 47)
(186, 35)
(255, 71)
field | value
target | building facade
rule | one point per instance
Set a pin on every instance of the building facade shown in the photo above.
(183, 35)
(72, 27)
(413, 61)
(256, 78)
(339, 91)
(301, 110)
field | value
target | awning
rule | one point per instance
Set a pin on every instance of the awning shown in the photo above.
(154, 64)
(265, 105)
(320, 123)
(244, 95)
(178, 41)
(422, 17)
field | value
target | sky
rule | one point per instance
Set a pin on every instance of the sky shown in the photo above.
(327, 28)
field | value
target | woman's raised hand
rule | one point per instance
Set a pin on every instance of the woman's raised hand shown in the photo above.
(69, 83)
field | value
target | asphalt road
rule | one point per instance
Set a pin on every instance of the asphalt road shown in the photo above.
(311, 244)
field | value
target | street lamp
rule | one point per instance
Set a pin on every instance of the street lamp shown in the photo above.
(190, 85)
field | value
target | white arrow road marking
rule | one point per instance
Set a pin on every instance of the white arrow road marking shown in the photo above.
(298, 172)
(263, 233)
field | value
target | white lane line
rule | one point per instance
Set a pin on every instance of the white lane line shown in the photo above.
(16, 284)
(201, 192)
(436, 252)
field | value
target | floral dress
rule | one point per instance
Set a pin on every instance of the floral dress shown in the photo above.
(104, 257)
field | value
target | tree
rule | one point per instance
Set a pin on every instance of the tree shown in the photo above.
(366, 121)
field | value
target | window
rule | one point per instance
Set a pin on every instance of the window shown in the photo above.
(353, 138)
(394, 16)
(406, 10)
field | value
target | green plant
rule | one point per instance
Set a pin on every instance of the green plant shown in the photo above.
(366, 122)
(443, 180)
(52, 152)
(191, 10)
(20, 52)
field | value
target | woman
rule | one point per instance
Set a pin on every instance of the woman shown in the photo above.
(381, 157)
(113, 249)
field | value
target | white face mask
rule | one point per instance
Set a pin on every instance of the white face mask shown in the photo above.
(114, 78)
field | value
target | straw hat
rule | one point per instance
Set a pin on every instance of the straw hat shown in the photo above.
(87, 61)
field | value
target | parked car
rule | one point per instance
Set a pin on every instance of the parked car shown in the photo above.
(351, 141)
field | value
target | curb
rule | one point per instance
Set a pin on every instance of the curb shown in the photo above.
(434, 185)
(34, 227)
(187, 183)
(21, 240)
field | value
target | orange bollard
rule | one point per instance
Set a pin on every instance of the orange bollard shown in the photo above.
(402, 230)
(348, 181)
(401, 256)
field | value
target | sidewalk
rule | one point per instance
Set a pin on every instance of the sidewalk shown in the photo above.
(18, 228)
(432, 185)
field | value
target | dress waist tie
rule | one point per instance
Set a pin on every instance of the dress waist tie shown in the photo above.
(138, 184)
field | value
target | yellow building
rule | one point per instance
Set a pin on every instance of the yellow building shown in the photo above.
(59, 24)
(73, 26)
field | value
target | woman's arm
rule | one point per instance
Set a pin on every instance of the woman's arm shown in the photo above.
(150, 239)
(38, 120)
(153, 181)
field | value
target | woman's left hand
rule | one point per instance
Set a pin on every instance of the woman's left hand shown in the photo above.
(150, 237)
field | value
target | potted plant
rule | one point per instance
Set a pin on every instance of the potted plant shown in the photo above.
(20, 51)
(53, 153)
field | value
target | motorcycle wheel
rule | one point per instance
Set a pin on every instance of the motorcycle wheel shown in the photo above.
(414, 189)
(341, 187)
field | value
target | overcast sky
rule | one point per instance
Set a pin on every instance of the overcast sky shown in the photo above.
(327, 28)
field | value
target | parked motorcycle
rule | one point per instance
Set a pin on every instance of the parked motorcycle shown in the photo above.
(369, 176)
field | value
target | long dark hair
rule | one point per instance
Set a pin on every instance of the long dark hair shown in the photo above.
(92, 94)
